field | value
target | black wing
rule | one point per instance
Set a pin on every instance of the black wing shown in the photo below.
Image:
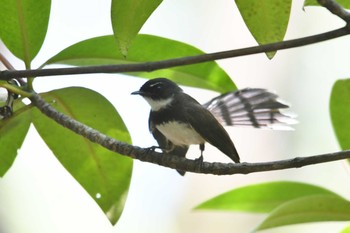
(163, 143)
(210, 129)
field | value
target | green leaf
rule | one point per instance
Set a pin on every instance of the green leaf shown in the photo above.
(267, 20)
(12, 133)
(23, 26)
(344, 3)
(261, 198)
(346, 230)
(102, 51)
(311, 3)
(128, 16)
(105, 175)
(340, 112)
(318, 208)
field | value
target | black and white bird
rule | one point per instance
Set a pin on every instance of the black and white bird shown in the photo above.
(177, 120)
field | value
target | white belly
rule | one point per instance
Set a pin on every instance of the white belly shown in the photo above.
(180, 134)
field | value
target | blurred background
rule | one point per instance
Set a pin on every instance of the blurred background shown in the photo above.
(38, 195)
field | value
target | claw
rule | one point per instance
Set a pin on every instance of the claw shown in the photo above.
(152, 149)
(199, 162)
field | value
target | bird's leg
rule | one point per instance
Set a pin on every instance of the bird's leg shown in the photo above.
(200, 159)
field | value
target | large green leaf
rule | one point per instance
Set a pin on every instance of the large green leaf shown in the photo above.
(344, 3)
(103, 51)
(12, 133)
(128, 16)
(105, 175)
(23, 26)
(261, 198)
(318, 208)
(340, 112)
(267, 20)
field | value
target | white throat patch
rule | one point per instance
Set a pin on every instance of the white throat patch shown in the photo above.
(158, 104)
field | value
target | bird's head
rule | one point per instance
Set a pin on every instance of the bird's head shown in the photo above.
(158, 92)
(158, 89)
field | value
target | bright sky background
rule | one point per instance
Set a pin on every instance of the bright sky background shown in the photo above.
(38, 195)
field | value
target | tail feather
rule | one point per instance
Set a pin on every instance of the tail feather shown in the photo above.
(250, 107)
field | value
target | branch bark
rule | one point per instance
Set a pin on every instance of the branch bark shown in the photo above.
(173, 161)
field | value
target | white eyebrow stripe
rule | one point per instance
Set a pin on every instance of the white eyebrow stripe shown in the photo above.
(155, 84)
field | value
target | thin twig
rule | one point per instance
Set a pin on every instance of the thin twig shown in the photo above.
(6, 63)
(176, 162)
(336, 9)
(151, 66)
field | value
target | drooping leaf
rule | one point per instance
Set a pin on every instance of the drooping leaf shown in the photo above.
(128, 16)
(105, 175)
(103, 51)
(23, 26)
(317, 208)
(261, 198)
(12, 133)
(340, 112)
(343, 3)
(267, 20)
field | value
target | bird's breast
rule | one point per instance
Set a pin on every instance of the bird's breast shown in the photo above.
(180, 133)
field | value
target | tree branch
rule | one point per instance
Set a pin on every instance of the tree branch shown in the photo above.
(173, 161)
(151, 66)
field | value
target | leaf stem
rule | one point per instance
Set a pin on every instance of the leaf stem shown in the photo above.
(15, 89)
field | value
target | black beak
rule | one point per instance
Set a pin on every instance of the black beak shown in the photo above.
(141, 93)
(137, 93)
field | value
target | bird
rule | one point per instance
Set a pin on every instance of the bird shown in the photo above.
(177, 120)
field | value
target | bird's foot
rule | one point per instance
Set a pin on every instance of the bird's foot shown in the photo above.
(151, 149)
(199, 162)
(199, 159)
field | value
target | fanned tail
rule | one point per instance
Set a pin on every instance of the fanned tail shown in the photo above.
(252, 107)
